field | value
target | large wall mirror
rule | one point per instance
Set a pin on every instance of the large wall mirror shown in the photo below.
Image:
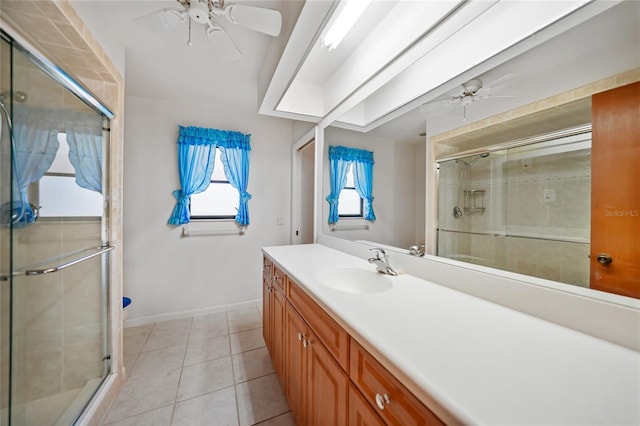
(503, 178)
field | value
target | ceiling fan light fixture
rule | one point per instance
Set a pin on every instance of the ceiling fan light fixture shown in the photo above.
(342, 24)
(199, 11)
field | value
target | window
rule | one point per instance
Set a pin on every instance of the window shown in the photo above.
(58, 193)
(219, 200)
(350, 203)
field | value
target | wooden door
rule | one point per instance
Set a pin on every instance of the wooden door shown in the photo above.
(277, 333)
(328, 385)
(615, 191)
(295, 363)
(360, 412)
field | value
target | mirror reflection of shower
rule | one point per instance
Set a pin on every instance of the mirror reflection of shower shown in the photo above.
(467, 198)
(14, 212)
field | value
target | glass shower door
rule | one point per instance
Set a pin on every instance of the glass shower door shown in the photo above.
(57, 222)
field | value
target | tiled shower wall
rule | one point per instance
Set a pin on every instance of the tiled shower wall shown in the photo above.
(537, 213)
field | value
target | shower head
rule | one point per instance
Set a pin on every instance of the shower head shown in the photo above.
(476, 158)
(18, 96)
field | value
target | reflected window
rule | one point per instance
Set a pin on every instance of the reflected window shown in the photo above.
(350, 203)
(219, 200)
(58, 193)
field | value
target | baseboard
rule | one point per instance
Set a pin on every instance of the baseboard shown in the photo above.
(134, 322)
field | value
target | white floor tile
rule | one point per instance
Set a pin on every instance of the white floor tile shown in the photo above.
(144, 394)
(157, 417)
(252, 364)
(260, 399)
(182, 324)
(205, 350)
(209, 326)
(159, 339)
(246, 340)
(139, 330)
(134, 344)
(244, 319)
(153, 362)
(215, 408)
(205, 377)
(204, 386)
(285, 419)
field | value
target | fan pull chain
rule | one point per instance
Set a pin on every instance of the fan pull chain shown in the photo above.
(189, 40)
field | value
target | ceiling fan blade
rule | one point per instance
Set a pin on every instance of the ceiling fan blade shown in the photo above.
(266, 21)
(161, 19)
(489, 96)
(497, 82)
(437, 104)
(224, 47)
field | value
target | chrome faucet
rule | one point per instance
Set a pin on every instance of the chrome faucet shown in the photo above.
(382, 262)
(417, 250)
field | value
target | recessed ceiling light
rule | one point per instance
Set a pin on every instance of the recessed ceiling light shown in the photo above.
(340, 27)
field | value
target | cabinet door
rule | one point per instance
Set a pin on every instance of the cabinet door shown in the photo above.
(278, 303)
(360, 412)
(266, 310)
(327, 386)
(295, 363)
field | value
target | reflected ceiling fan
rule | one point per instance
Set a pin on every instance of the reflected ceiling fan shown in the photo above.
(472, 91)
(205, 12)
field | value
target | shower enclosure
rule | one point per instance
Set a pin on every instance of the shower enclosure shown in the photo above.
(526, 208)
(54, 351)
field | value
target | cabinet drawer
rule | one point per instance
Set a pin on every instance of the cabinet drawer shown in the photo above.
(330, 333)
(279, 279)
(267, 265)
(391, 400)
(360, 412)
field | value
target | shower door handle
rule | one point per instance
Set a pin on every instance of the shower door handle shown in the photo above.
(100, 250)
(604, 258)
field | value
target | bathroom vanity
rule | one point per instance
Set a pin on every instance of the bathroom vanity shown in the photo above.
(351, 346)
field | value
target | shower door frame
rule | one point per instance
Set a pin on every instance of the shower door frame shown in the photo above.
(15, 41)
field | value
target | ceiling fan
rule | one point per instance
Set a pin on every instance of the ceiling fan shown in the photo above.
(205, 12)
(472, 91)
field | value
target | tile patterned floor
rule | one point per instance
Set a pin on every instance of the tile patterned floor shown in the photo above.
(205, 370)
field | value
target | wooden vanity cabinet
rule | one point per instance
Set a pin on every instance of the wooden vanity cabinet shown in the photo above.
(328, 378)
(391, 400)
(360, 412)
(267, 273)
(315, 385)
(273, 307)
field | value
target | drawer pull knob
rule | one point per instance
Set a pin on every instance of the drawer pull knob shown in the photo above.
(300, 336)
(381, 400)
(306, 343)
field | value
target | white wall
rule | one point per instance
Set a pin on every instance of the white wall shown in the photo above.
(164, 273)
(394, 189)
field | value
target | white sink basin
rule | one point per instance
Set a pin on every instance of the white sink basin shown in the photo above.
(352, 280)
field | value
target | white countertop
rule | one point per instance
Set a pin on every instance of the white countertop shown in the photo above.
(484, 363)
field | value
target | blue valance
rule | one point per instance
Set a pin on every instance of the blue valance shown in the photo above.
(350, 154)
(221, 138)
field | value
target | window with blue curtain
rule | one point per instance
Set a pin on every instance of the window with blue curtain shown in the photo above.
(197, 148)
(341, 160)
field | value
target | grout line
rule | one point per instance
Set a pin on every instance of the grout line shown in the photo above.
(184, 356)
